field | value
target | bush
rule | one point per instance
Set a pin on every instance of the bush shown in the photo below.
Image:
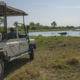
(33, 28)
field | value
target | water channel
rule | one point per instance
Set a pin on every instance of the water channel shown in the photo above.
(55, 33)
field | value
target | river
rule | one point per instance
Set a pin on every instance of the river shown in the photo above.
(55, 33)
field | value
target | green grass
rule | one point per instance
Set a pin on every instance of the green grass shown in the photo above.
(56, 58)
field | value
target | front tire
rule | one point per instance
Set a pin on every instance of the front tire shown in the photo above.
(1, 68)
(32, 53)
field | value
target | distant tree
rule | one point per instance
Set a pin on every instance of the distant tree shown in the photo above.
(33, 28)
(71, 26)
(31, 24)
(22, 26)
(37, 24)
(41, 25)
(59, 27)
(53, 24)
(67, 26)
(15, 23)
(1, 20)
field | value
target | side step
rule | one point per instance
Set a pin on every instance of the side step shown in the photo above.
(19, 55)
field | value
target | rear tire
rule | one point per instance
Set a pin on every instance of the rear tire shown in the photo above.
(1, 68)
(32, 53)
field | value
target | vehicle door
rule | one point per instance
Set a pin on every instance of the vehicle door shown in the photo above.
(13, 45)
(23, 42)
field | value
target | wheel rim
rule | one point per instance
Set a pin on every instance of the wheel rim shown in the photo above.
(0, 68)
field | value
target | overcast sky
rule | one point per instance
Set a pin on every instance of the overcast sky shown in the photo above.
(64, 12)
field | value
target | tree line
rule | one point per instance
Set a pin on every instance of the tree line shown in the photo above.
(35, 26)
(38, 26)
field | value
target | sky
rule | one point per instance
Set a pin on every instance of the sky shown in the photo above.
(63, 12)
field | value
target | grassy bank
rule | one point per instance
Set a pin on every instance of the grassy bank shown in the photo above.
(56, 58)
(43, 30)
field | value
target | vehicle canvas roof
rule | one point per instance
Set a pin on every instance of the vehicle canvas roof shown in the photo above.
(10, 10)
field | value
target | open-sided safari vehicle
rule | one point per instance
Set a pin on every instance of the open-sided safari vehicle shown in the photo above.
(12, 48)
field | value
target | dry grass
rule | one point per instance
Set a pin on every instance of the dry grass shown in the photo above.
(56, 58)
(72, 61)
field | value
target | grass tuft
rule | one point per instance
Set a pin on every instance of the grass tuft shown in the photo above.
(33, 72)
(60, 66)
(72, 61)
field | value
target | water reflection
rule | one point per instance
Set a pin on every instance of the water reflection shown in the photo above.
(55, 33)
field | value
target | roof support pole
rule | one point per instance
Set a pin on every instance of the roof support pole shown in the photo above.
(24, 23)
(5, 21)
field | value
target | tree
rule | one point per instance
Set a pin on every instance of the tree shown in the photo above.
(33, 28)
(1, 20)
(53, 24)
(15, 23)
(37, 24)
(31, 24)
(67, 26)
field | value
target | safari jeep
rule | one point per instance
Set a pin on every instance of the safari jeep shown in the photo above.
(13, 48)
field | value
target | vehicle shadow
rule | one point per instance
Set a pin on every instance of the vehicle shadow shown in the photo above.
(10, 67)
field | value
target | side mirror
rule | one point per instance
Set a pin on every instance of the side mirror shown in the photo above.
(28, 27)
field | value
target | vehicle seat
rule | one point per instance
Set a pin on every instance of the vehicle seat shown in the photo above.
(11, 35)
